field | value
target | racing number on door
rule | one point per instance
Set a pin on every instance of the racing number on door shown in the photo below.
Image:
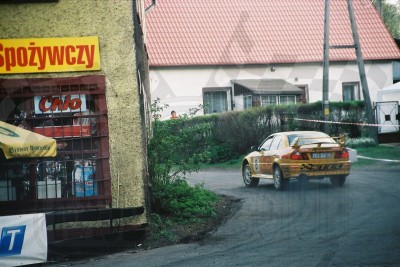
(256, 164)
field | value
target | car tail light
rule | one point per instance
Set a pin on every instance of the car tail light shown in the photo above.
(295, 155)
(344, 154)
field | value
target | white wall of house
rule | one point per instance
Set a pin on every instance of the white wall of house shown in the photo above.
(182, 87)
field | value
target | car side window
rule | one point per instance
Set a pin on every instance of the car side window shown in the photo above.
(275, 143)
(267, 144)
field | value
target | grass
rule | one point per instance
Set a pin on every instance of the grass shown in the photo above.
(380, 152)
(377, 152)
(230, 164)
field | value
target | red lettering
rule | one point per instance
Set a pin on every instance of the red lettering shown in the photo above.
(10, 58)
(80, 54)
(22, 56)
(1, 57)
(56, 103)
(55, 55)
(42, 103)
(71, 60)
(66, 102)
(75, 104)
(90, 56)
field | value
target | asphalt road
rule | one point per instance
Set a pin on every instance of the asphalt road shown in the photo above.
(320, 225)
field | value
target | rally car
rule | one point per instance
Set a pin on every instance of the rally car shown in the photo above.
(301, 155)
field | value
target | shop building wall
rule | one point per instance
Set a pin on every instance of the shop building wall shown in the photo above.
(112, 22)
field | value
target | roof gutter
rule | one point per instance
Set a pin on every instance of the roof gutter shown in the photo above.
(150, 7)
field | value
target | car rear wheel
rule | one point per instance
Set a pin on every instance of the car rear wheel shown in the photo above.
(338, 180)
(247, 179)
(279, 182)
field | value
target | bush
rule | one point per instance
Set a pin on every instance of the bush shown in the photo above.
(220, 137)
(176, 148)
(360, 142)
(184, 202)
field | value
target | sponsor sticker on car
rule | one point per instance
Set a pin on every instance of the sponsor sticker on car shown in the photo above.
(321, 167)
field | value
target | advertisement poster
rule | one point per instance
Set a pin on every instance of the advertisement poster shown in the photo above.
(23, 239)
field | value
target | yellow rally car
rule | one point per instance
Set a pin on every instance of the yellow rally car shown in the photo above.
(298, 155)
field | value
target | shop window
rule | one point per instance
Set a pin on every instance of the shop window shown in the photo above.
(72, 111)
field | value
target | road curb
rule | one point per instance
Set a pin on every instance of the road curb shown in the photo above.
(386, 160)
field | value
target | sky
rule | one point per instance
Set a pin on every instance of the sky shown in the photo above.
(391, 1)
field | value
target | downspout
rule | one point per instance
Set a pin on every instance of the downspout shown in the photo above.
(150, 7)
(379, 7)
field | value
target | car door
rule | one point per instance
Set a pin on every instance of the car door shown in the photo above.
(264, 148)
(268, 157)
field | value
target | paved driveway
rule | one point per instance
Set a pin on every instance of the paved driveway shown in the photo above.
(356, 225)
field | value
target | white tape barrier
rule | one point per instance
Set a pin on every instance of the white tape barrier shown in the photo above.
(349, 123)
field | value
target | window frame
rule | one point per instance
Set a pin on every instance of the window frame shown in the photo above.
(276, 144)
(306, 96)
(28, 88)
(266, 144)
(355, 91)
(214, 90)
(287, 96)
(247, 99)
(269, 96)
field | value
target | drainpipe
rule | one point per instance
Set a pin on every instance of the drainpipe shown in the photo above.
(150, 7)
(379, 7)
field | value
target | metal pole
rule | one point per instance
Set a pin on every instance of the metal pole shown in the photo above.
(361, 69)
(325, 80)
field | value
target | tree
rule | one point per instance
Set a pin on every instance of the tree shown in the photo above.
(391, 16)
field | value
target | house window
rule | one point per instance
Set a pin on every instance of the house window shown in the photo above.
(303, 98)
(267, 100)
(396, 71)
(247, 101)
(287, 99)
(74, 112)
(215, 101)
(351, 91)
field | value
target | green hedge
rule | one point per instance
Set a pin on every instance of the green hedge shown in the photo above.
(225, 135)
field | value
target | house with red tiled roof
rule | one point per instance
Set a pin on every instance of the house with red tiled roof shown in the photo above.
(235, 54)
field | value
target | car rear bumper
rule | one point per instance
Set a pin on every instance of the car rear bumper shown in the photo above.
(315, 170)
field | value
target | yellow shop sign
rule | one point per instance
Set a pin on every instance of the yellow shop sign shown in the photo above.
(49, 55)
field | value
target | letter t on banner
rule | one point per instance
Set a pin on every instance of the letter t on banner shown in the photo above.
(23, 239)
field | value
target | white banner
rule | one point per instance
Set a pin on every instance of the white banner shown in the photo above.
(23, 239)
(58, 104)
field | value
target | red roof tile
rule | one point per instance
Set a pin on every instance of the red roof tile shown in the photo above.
(230, 32)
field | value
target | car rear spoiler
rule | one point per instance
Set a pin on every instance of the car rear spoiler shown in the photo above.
(341, 140)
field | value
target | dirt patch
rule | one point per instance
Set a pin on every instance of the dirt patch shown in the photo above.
(169, 234)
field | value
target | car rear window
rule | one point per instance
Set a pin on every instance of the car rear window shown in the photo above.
(311, 138)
